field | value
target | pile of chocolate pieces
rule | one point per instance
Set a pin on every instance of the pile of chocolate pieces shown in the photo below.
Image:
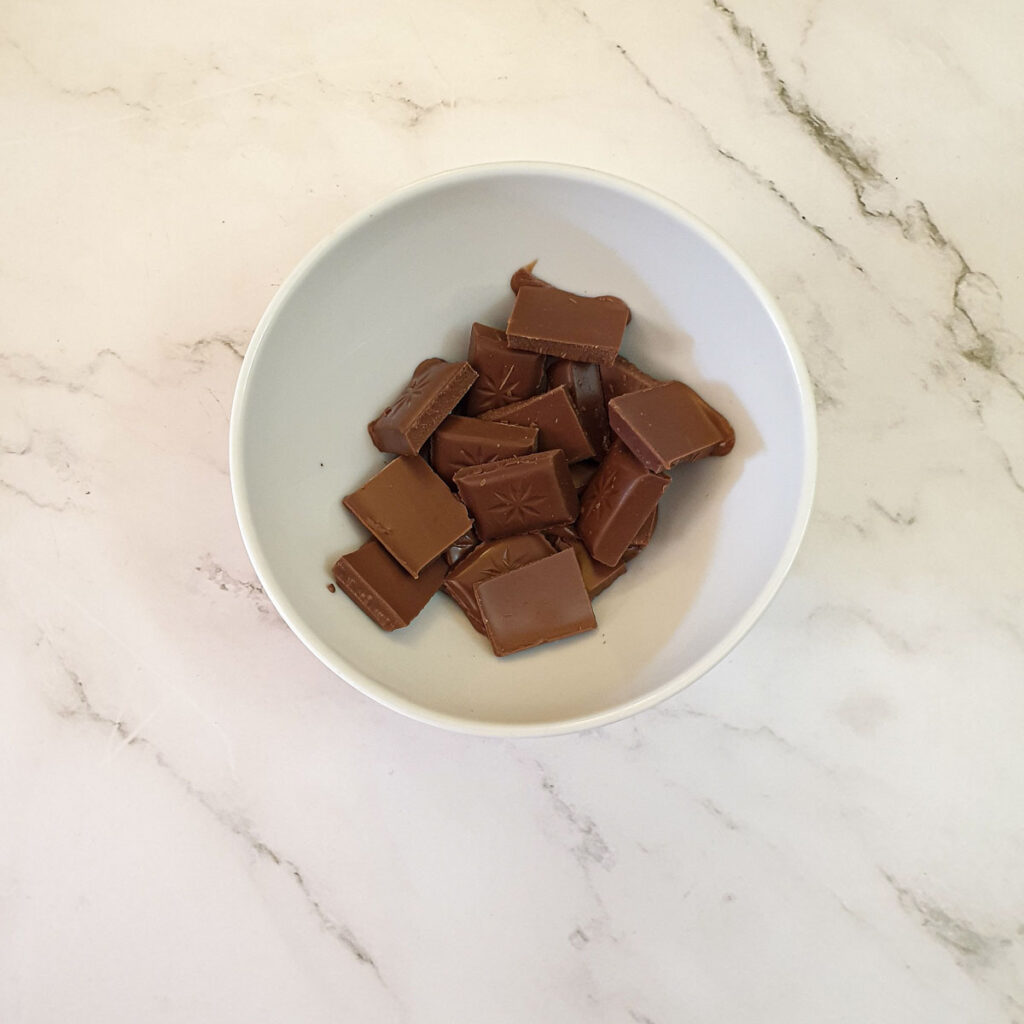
(526, 477)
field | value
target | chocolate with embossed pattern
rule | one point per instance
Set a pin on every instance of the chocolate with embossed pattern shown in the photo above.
(617, 503)
(505, 375)
(382, 588)
(518, 495)
(467, 441)
(435, 389)
(410, 510)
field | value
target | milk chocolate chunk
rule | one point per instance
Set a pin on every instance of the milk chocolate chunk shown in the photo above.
(435, 389)
(596, 577)
(543, 601)
(382, 588)
(462, 547)
(518, 495)
(467, 441)
(622, 378)
(616, 504)
(491, 558)
(583, 382)
(554, 415)
(664, 425)
(570, 326)
(526, 276)
(505, 375)
(408, 508)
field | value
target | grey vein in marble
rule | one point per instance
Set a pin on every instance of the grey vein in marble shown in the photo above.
(223, 580)
(878, 198)
(82, 708)
(591, 846)
(840, 250)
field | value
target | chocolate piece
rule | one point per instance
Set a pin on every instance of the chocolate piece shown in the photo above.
(583, 382)
(596, 577)
(382, 588)
(408, 508)
(616, 504)
(505, 375)
(571, 326)
(466, 441)
(543, 601)
(623, 378)
(554, 415)
(462, 547)
(492, 558)
(435, 389)
(518, 495)
(664, 425)
(525, 276)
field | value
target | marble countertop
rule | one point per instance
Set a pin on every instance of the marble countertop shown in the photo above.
(199, 823)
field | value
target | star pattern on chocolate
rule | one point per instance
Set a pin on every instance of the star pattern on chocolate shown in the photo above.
(469, 456)
(517, 502)
(491, 392)
(604, 489)
(413, 390)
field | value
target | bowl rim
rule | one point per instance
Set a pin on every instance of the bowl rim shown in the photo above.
(371, 687)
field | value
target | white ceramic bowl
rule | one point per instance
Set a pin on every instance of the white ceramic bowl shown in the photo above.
(404, 281)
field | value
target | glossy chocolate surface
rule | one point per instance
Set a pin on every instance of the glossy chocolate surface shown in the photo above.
(410, 510)
(543, 601)
(664, 425)
(492, 558)
(433, 392)
(616, 504)
(505, 375)
(569, 326)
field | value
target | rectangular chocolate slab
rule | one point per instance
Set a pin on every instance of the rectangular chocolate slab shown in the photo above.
(554, 415)
(435, 389)
(382, 588)
(664, 425)
(518, 495)
(505, 375)
(616, 504)
(525, 277)
(467, 441)
(491, 558)
(408, 508)
(543, 601)
(559, 323)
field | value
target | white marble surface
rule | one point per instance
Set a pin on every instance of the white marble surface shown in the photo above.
(198, 823)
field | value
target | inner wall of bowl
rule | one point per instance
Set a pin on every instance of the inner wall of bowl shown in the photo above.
(406, 284)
